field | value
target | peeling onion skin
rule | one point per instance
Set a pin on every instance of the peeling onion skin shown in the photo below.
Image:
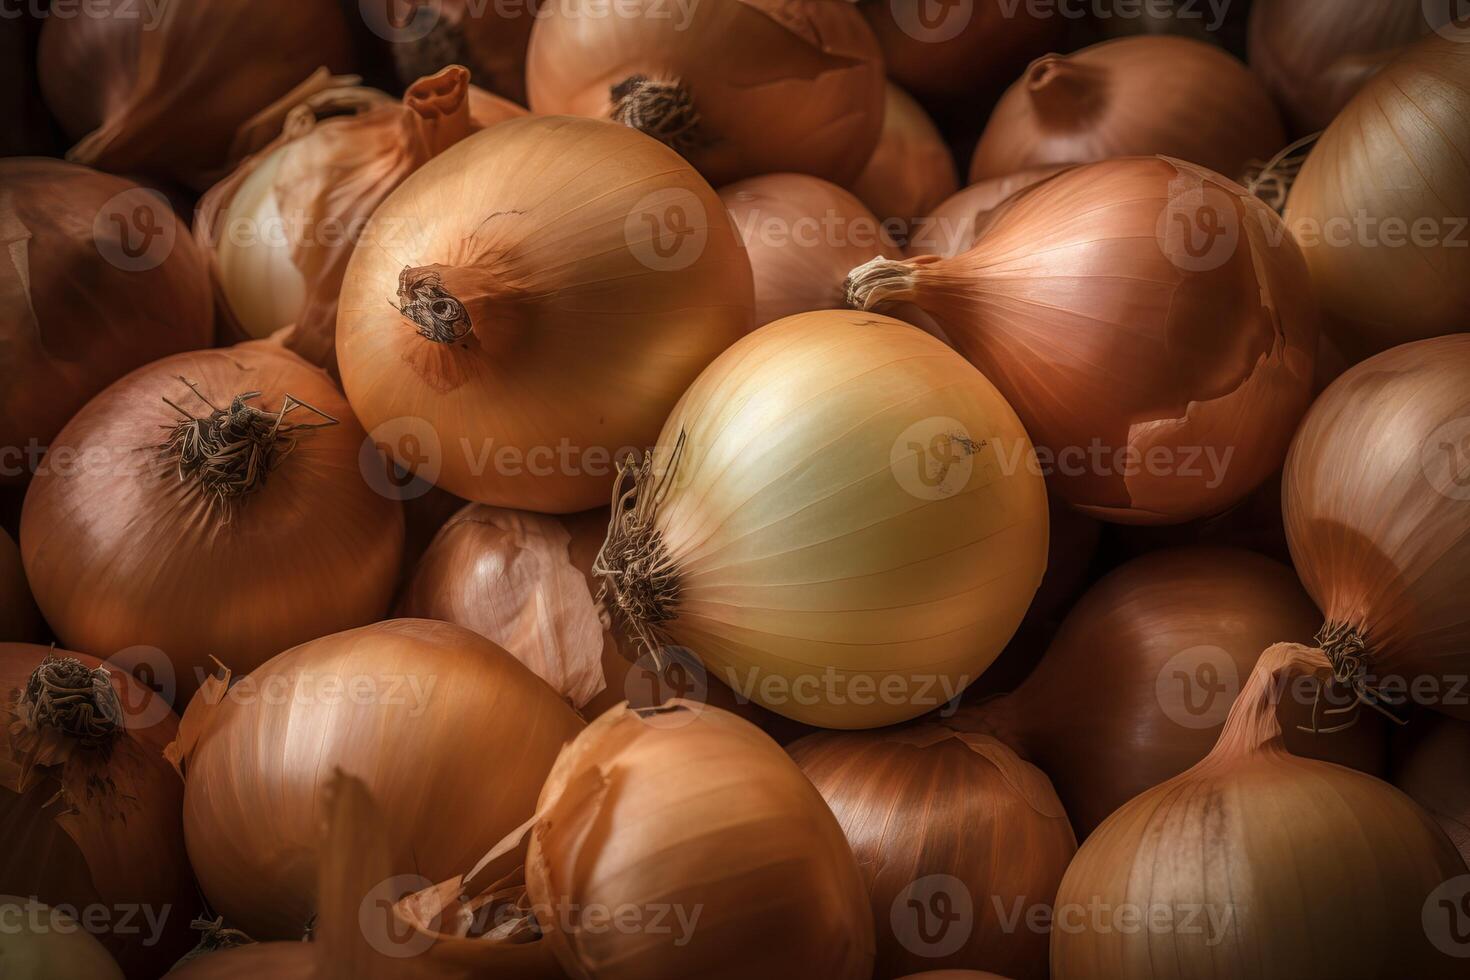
(1375, 503)
(928, 800)
(1104, 326)
(125, 555)
(1135, 96)
(911, 169)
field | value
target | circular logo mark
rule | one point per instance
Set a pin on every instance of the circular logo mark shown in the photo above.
(1450, 19)
(932, 21)
(385, 931)
(677, 672)
(933, 916)
(400, 21)
(667, 230)
(1196, 687)
(135, 230)
(150, 668)
(1198, 229)
(1446, 917)
(933, 458)
(401, 458)
(1445, 459)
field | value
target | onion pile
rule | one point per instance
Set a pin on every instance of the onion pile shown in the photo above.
(209, 505)
(911, 169)
(41, 943)
(1380, 206)
(489, 38)
(99, 277)
(89, 809)
(740, 87)
(174, 83)
(921, 802)
(957, 223)
(20, 620)
(1151, 323)
(842, 519)
(1430, 765)
(1131, 97)
(1258, 863)
(531, 303)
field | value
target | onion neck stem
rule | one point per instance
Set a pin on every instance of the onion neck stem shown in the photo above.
(1252, 724)
(1065, 93)
(661, 108)
(65, 695)
(878, 281)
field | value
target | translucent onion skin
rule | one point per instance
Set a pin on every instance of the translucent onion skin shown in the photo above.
(20, 620)
(122, 553)
(96, 825)
(93, 286)
(801, 234)
(1314, 55)
(1429, 765)
(1391, 162)
(689, 807)
(1134, 688)
(586, 315)
(851, 525)
(1374, 500)
(1151, 323)
(60, 950)
(172, 87)
(1258, 863)
(450, 734)
(911, 170)
(749, 86)
(928, 800)
(1134, 96)
(957, 222)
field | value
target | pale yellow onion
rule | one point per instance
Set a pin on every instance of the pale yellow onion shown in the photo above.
(42, 943)
(911, 169)
(802, 234)
(843, 519)
(1259, 863)
(957, 223)
(589, 274)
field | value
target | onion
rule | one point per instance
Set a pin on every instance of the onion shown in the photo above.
(1379, 207)
(209, 505)
(1258, 863)
(98, 278)
(508, 576)
(1135, 687)
(532, 302)
(1431, 767)
(283, 225)
(450, 734)
(840, 521)
(1374, 496)
(911, 169)
(960, 49)
(1150, 322)
(1134, 96)
(20, 620)
(41, 943)
(740, 87)
(1315, 54)
(490, 38)
(953, 975)
(802, 234)
(949, 822)
(89, 809)
(957, 223)
(170, 85)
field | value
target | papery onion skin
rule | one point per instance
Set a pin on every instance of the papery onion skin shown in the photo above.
(911, 169)
(587, 316)
(176, 83)
(1430, 765)
(122, 554)
(1136, 96)
(1288, 867)
(1379, 206)
(60, 949)
(801, 235)
(853, 528)
(20, 620)
(1374, 499)
(928, 800)
(489, 39)
(689, 807)
(760, 86)
(96, 826)
(1149, 321)
(1135, 687)
(957, 222)
(452, 736)
(100, 278)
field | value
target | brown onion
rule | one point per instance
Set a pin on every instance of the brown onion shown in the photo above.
(954, 835)
(451, 735)
(20, 620)
(1380, 207)
(488, 38)
(1375, 496)
(740, 87)
(1134, 96)
(1432, 764)
(911, 169)
(1137, 683)
(1150, 322)
(170, 85)
(99, 277)
(89, 809)
(209, 505)
(957, 223)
